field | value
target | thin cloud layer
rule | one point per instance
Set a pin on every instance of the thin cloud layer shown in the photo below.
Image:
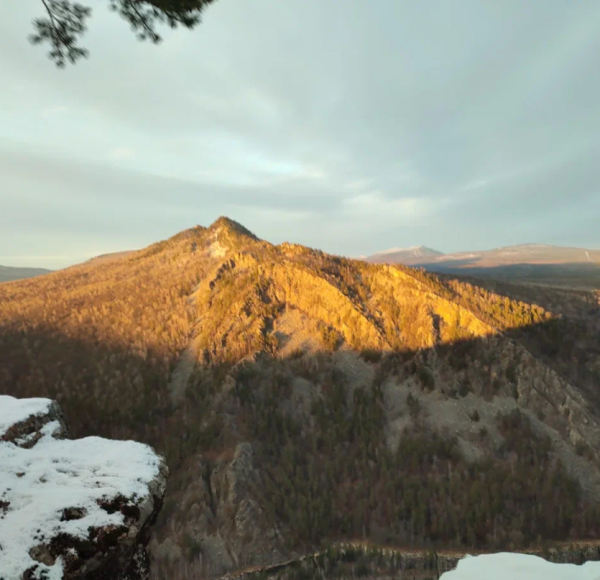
(350, 127)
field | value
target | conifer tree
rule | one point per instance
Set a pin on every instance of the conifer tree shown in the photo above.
(65, 23)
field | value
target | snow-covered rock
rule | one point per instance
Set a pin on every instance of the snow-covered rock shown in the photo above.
(22, 420)
(506, 566)
(72, 509)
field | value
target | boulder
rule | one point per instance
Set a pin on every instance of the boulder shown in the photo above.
(73, 509)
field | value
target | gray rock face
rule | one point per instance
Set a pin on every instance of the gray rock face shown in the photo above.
(226, 524)
(73, 509)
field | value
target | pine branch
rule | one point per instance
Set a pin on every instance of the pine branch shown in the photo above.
(63, 27)
(65, 23)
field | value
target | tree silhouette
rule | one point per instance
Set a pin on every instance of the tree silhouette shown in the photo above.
(65, 23)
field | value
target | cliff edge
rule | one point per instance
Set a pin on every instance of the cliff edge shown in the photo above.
(73, 509)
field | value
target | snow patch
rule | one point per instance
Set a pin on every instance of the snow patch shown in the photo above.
(13, 411)
(415, 250)
(389, 251)
(507, 566)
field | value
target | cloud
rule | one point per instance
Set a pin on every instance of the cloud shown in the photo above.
(375, 204)
(53, 111)
(121, 153)
(458, 125)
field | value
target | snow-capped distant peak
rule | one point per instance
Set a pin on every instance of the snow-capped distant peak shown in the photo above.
(392, 251)
(414, 250)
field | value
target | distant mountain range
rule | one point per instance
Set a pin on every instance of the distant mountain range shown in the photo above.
(9, 273)
(505, 256)
(406, 256)
(521, 261)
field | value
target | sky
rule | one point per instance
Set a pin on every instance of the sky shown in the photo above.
(346, 125)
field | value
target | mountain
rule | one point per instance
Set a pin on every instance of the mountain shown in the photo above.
(407, 256)
(9, 273)
(506, 256)
(305, 400)
(527, 262)
(110, 256)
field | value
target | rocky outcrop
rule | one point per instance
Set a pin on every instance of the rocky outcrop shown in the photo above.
(227, 527)
(22, 421)
(72, 509)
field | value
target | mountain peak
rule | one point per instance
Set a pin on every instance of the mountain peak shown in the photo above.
(425, 250)
(231, 226)
(409, 256)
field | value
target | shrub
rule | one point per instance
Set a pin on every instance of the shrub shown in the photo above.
(194, 549)
(329, 338)
(464, 389)
(474, 416)
(371, 355)
(426, 378)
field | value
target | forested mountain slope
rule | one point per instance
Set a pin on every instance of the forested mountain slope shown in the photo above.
(303, 399)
